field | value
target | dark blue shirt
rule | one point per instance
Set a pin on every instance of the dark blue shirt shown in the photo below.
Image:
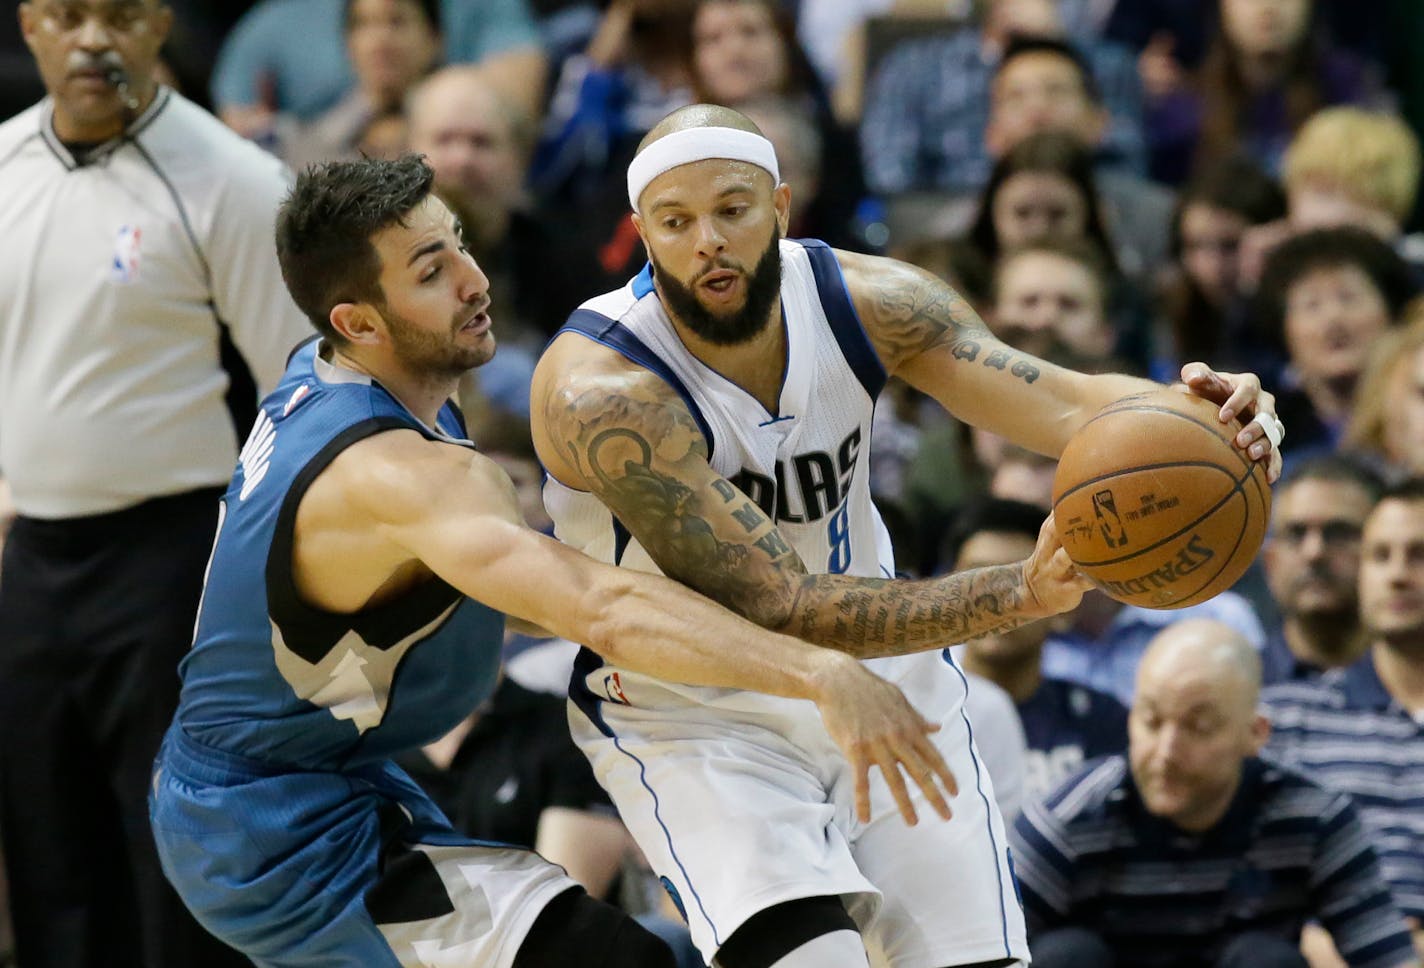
(1066, 725)
(1286, 851)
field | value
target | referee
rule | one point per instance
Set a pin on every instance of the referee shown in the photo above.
(141, 308)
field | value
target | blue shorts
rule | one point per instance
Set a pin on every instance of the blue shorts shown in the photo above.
(322, 868)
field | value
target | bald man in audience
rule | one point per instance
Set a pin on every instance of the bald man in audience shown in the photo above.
(1192, 851)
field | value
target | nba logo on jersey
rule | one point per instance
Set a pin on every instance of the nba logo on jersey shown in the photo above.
(124, 268)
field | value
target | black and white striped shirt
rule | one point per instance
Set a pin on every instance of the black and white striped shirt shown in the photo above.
(1286, 851)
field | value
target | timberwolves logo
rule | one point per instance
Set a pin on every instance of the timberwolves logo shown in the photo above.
(1109, 523)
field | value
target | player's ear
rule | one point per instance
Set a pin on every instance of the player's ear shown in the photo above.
(642, 233)
(781, 198)
(356, 322)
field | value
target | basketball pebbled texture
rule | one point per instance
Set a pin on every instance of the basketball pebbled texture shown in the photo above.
(1156, 505)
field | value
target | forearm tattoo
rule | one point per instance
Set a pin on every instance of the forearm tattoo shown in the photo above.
(719, 542)
(914, 314)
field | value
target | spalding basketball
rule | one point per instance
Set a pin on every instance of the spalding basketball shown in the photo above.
(1156, 505)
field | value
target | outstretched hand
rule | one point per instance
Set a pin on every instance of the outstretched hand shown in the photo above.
(1240, 395)
(874, 725)
(1050, 577)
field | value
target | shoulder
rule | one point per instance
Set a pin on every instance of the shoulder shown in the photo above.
(203, 156)
(1092, 794)
(1307, 695)
(24, 125)
(394, 474)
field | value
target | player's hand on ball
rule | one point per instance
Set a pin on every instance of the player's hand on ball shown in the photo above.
(874, 725)
(1240, 395)
(1050, 577)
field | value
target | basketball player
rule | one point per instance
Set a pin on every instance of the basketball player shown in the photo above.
(352, 610)
(710, 421)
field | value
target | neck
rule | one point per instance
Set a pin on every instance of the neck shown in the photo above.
(1402, 673)
(422, 396)
(1326, 640)
(1262, 70)
(71, 129)
(1330, 398)
(758, 365)
(1019, 677)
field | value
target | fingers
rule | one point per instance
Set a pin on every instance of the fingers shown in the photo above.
(889, 765)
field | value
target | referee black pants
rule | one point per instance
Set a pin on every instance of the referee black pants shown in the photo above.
(95, 614)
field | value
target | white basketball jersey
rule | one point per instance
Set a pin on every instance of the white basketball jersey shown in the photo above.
(807, 465)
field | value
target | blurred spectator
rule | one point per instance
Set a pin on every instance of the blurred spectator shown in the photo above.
(1388, 419)
(1064, 724)
(927, 103)
(745, 55)
(1360, 730)
(479, 142)
(1327, 295)
(1192, 852)
(1105, 639)
(391, 45)
(1044, 83)
(637, 68)
(1348, 166)
(1203, 298)
(1266, 71)
(288, 56)
(1312, 563)
(1050, 299)
(1043, 187)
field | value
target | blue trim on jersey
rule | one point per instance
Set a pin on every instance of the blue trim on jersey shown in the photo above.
(845, 321)
(616, 336)
(988, 807)
(643, 282)
(587, 662)
(622, 538)
(667, 834)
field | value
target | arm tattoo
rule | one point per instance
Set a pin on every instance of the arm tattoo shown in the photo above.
(630, 449)
(916, 315)
(873, 617)
(614, 440)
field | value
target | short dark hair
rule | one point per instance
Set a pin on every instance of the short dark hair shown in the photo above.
(324, 230)
(1410, 489)
(990, 516)
(1333, 248)
(430, 9)
(1023, 44)
(1337, 469)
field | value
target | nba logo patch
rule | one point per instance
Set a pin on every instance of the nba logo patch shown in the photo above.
(124, 267)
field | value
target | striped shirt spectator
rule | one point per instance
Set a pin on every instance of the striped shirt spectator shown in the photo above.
(1285, 851)
(1348, 732)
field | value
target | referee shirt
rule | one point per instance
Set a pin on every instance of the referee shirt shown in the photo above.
(132, 271)
(1346, 731)
(1286, 851)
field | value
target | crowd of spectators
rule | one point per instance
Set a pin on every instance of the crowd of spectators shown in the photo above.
(1117, 185)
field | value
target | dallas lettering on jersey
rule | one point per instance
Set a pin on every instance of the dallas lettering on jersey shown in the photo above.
(821, 482)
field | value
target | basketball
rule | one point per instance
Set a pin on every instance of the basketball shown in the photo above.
(1156, 505)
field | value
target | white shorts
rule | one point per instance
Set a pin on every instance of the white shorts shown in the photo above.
(742, 801)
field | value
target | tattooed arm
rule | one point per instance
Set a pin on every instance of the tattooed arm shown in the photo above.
(609, 427)
(926, 334)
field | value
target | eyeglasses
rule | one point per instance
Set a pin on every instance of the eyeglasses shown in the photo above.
(1336, 535)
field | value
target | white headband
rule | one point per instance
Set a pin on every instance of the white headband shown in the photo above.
(698, 144)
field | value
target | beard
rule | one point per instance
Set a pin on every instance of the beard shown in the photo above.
(739, 325)
(431, 354)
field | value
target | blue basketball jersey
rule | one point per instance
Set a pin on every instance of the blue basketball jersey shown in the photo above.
(273, 679)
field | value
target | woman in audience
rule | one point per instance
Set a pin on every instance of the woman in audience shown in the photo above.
(1202, 302)
(1266, 70)
(745, 55)
(1328, 295)
(1388, 421)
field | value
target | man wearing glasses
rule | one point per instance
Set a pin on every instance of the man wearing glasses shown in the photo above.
(1312, 561)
